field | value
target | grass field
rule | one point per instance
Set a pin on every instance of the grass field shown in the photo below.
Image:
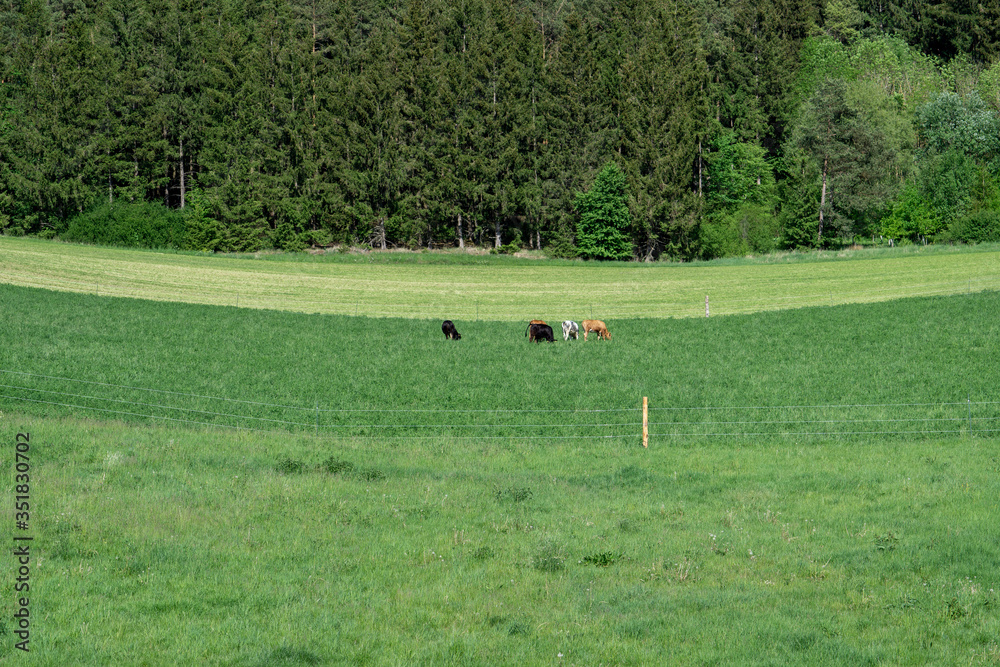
(170, 546)
(821, 487)
(468, 287)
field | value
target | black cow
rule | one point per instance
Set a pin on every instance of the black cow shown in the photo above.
(540, 332)
(528, 330)
(450, 332)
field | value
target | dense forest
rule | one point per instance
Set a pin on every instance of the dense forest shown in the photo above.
(724, 127)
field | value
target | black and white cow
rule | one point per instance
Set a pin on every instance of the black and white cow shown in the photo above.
(570, 330)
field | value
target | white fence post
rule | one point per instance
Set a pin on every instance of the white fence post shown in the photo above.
(645, 422)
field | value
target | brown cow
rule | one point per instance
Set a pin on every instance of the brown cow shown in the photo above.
(527, 332)
(598, 327)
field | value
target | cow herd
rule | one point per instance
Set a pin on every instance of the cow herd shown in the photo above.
(538, 330)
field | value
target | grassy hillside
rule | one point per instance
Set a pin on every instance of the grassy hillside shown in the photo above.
(359, 525)
(497, 288)
(915, 351)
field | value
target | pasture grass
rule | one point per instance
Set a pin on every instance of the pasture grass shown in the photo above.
(475, 287)
(172, 545)
(922, 350)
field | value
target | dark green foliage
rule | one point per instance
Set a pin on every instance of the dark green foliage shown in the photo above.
(961, 147)
(740, 196)
(370, 474)
(427, 123)
(602, 231)
(289, 466)
(133, 225)
(287, 655)
(512, 627)
(798, 222)
(750, 229)
(336, 466)
(946, 181)
(738, 174)
(843, 20)
(602, 559)
(286, 238)
(483, 553)
(851, 154)
(911, 217)
(979, 227)
(514, 494)
(886, 542)
(203, 231)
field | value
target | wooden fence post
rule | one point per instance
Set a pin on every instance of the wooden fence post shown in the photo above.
(706, 305)
(645, 422)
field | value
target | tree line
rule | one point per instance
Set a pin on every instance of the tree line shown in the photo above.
(732, 126)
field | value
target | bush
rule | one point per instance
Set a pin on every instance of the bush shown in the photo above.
(204, 233)
(979, 227)
(130, 225)
(602, 230)
(911, 217)
(748, 229)
(509, 248)
(719, 236)
(798, 220)
(562, 247)
(286, 238)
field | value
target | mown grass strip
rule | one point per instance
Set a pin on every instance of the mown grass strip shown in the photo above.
(499, 291)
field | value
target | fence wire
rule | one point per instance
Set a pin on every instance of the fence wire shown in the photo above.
(71, 396)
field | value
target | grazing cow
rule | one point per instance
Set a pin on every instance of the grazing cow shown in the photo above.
(450, 332)
(527, 332)
(597, 327)
(540, 332)
(571, 330)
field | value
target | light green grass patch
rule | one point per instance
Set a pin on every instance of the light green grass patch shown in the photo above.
(494, 288)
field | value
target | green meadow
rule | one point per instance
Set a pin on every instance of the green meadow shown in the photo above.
(476, 287)
(226, 485)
